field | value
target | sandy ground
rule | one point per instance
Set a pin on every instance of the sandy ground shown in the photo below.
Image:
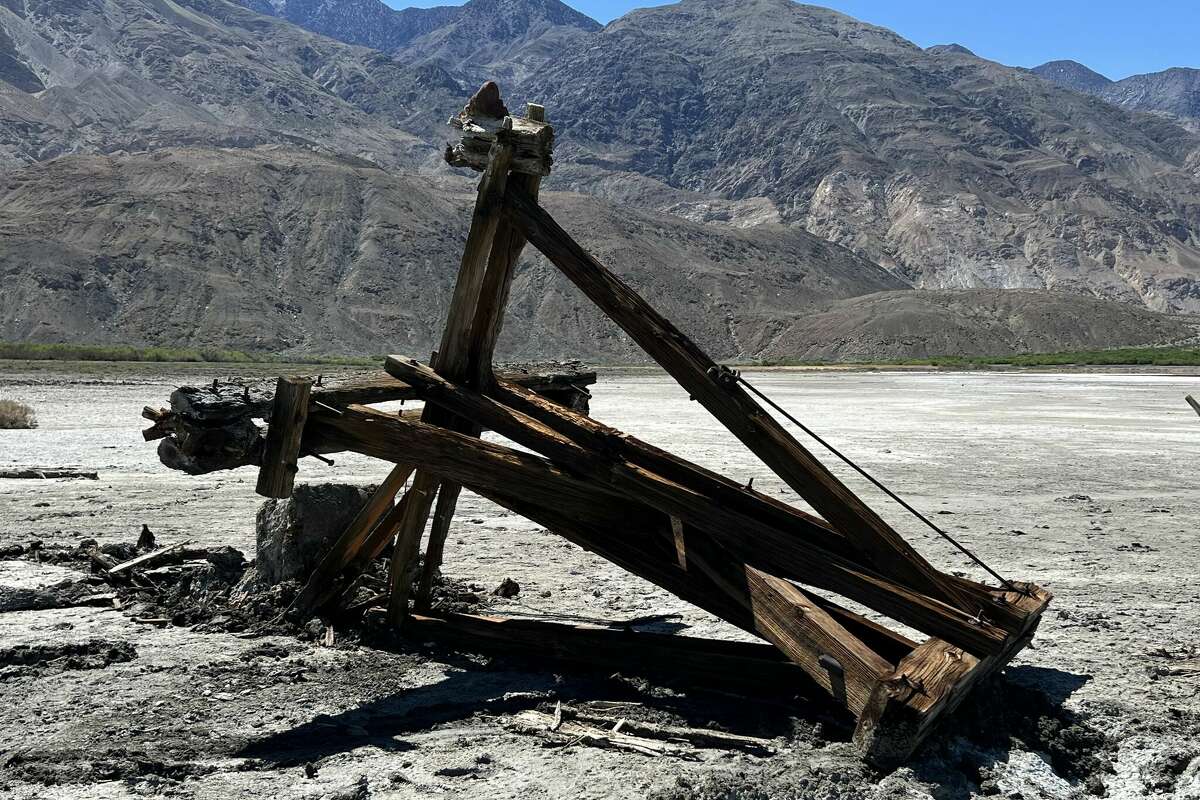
(1083, 483)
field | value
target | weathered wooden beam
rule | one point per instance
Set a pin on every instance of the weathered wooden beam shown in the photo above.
(787, 617)
(929, 684)
(453, 354)
(323, 581)
(797, 624)
(419, 500)
(794, 554)
(636, 538)
(439, 531)
(232, 400)
(730, 404)
(597, 436)
(476, 369)
(997, 605)
(484, 466)
(281, 451)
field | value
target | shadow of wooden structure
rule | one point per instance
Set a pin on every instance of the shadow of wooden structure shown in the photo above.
(743, 556)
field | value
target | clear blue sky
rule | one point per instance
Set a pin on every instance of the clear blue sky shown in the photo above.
(1116, 39)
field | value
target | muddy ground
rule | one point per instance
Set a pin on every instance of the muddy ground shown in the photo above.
(1083, 483)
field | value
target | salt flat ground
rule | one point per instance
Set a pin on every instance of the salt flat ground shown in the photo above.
(1085, 483)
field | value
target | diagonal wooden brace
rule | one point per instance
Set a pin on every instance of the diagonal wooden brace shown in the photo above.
(484, 466)
(890, 554)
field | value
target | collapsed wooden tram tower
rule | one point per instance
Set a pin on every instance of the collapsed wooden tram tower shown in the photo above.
(741, 555)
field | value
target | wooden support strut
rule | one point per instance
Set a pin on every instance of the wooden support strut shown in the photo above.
(791, 554)
(476, 370)
(282, 449)
(452, 357)
(484, 467)
(730, 404)
(781, 613)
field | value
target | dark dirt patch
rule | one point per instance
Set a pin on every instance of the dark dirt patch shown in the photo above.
(44, 659)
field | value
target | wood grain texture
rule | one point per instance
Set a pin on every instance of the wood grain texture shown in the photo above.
(326, 580)
(453, 359)
(484, 466)
(281, 451)
(747, 538)
(486, 322)
(731, 405)
(418, 501)
(929, 684)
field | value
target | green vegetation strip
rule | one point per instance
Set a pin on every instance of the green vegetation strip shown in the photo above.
(26, 351)
(1128, 356)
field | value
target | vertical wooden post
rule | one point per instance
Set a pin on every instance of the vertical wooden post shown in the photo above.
(321, 583)
(408, 542)
(281, 451)
(475, 370)
(453, 356)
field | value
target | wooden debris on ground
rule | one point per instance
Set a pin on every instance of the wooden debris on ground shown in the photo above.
(147, 559)
(568, 733)
(48, 474)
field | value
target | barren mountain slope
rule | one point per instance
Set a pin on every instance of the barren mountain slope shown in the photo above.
(128, 75)
(982, 322)
(1174, 92)
(497, 39)
(950, 170)
(281, 250)
(1073, 75)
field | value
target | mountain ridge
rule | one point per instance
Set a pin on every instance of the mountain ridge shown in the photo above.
(1174, 91)
(744, 163)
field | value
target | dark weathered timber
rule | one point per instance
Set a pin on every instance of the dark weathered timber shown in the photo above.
(629, 536)
(680, 658)
(345, 548)
(418, 500)
(997, 605)
(477, 372)
(281, 452)
(452, 358)
(730, 404)
(439, 530)
(531, 138)
(929, 684)
(484, 466)
(1191, 401)
(753, 539)
(787, 617)
(234, 400)
(488, 318)
(755, 602)
(212, 429)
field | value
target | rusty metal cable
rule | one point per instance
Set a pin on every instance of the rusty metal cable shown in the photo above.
(727, 374)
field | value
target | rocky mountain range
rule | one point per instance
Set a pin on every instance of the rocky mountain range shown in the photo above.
(1174, 92)
(484, 39)
(268, 176)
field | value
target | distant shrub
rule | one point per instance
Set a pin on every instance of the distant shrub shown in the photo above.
(16, 415)
(30, 351)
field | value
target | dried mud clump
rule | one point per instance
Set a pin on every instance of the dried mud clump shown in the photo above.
(16, 416)
(44, 659)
